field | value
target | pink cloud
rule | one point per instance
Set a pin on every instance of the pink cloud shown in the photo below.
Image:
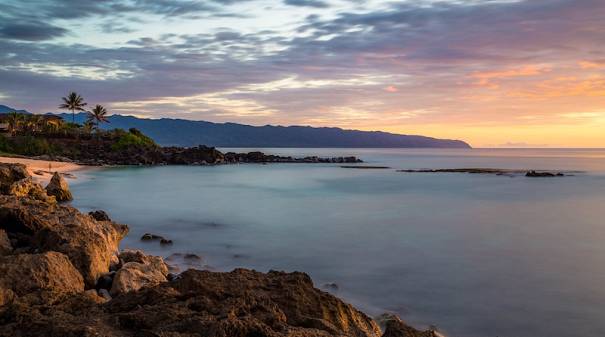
(391, 88)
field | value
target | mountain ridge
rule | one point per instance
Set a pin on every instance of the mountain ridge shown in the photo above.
(182, 132)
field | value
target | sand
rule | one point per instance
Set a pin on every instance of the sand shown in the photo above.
(42, 170)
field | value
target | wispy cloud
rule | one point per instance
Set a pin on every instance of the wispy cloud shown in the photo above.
(452, 65)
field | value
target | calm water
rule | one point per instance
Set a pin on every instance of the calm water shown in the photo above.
(474, 255)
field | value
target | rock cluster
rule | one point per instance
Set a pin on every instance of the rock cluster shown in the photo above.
(259, 157)
(61, 275)
(100, 151)
(542, 174)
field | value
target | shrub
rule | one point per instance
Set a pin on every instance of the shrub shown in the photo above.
(132, 138)
(6, 145)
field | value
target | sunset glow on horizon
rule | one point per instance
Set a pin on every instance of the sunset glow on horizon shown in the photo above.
(493, 73)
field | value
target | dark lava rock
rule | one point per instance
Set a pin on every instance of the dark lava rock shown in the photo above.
(192, 257)
(165, 241)
(393, 326)
(99, 215)
(151, 237)
(535, 174)
(331, 286)
(105, 281)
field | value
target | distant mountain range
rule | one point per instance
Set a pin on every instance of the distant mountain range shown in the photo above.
(6, 109)
(182, 132)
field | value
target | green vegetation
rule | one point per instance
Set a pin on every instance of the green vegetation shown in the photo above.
(132, 138)
(34, 135)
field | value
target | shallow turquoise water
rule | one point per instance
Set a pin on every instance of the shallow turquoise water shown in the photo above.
(475, 255)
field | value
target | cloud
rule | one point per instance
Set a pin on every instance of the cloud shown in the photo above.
(307, 3)
(461, 62)
(32, 31)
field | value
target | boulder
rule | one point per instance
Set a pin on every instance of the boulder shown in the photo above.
(38, 226)
(5, 244)
(59, 188)
(26, 187)
(138, 271)
(99, 215)
(11, 173)
(393, 326)
(39, 277)
(133, 255)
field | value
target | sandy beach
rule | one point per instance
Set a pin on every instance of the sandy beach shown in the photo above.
(42, 170)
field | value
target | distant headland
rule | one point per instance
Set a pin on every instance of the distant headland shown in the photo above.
(182, 132)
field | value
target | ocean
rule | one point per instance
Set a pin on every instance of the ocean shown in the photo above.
(474, 255)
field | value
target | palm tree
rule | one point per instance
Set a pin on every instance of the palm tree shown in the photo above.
(98, 115)
(88, 126)
(34, 123)
(73, 102)
(14, 122)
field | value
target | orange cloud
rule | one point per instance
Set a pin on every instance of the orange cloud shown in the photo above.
(489, 79)
(569, 86)
(391, 88)
(592, 64)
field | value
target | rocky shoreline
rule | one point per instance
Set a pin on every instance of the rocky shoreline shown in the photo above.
(99, 152)
(494, 171)
(62, 274)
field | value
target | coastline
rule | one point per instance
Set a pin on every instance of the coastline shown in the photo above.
(62, 271)
(42, 170)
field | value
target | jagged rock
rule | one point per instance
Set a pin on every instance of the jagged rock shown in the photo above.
(393, 326)
(26, 187)
(141, 271)
(38, 226)
(59, 188)
(131, 255)
(5, 244)
(11, 173)
(99, 215)
(241, 303)
(39, 277)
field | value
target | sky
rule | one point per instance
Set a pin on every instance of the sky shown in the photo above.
(525, 73)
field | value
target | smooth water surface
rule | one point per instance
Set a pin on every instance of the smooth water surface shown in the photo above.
(474, 255)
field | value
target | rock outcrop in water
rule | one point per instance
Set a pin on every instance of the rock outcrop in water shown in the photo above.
(58, 267)
(495, 171)
(59, 188)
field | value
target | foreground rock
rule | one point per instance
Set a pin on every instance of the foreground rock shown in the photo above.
(241, 303)
(38, 278)
(137, 271)
(393, 326)
(5, 245)
(9, 174)
(34, 225)
(59, 188)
